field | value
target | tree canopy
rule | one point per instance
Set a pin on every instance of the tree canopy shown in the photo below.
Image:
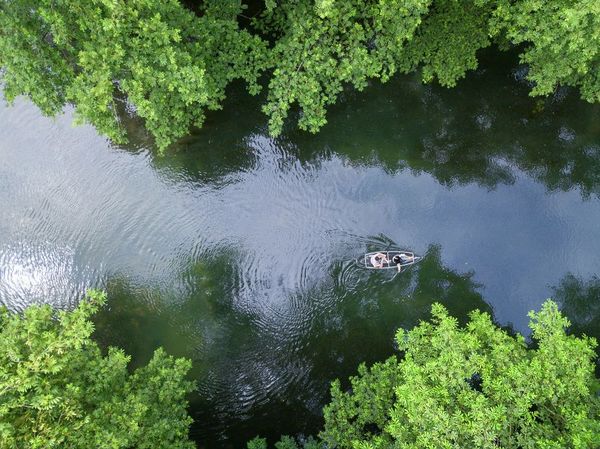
(475, 387)
(169, 65)
(58, 390)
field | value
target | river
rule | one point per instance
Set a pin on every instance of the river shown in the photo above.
(238, 250)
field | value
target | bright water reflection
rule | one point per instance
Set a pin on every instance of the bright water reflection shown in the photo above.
(236, 250)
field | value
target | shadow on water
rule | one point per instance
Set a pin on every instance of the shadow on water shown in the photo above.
(478, 132)
(216, 150)
(579, 300)
(140, 318)
(266, 368)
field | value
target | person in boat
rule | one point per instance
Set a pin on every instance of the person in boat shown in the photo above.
(378, 260)
(399, 259)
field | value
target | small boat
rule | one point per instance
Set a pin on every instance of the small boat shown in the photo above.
(382, 260)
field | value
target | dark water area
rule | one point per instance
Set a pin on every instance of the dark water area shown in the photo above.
(238, 250)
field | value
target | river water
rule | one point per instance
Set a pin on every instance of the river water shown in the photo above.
(238, 250)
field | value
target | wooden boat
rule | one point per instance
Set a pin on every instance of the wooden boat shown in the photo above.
(383, 260)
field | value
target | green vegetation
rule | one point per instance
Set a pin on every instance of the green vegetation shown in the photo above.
(474, 387)
(170, 65)
(58, 390)
(454, 387)
(286, 442)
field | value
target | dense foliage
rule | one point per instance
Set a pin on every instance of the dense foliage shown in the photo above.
(475, 387)
(169, 64)
(58, 390)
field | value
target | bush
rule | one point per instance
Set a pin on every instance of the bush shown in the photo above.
(57, 389)
(473, 387)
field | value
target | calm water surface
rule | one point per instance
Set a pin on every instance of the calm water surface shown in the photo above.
(237, 250)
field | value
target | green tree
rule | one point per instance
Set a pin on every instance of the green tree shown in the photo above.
(473, 387)
(286, 442)
(57, 389)
(561, 40)
(170, 65)
(322, 45)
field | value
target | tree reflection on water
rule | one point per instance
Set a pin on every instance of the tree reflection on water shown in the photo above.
(485, 131)
(579, 300)
(263, 368)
